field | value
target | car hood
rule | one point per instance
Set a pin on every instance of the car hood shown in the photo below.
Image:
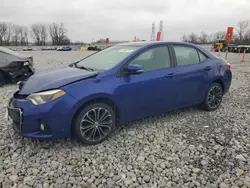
(52, 79)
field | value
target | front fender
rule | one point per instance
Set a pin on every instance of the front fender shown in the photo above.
(93, 97)
(89, 90)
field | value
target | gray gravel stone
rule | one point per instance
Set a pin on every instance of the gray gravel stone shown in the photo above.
(204, 162)
(223, 185)
(146, 179)
(116, 177)
(13, 178)
(196, 170)
(98, 181)
(240, 157)
(140, 158)
(191, 147)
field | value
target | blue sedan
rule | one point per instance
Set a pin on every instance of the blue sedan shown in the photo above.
(64, 48)
(125, 82)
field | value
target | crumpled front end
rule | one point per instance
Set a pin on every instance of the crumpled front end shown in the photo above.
(46, 121)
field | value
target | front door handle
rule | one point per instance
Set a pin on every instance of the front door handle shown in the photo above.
(207, 68)
(170, 75)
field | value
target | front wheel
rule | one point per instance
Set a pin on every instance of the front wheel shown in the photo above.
(95, 123)
(213, 97)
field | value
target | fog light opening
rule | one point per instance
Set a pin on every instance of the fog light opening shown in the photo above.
(44, 128)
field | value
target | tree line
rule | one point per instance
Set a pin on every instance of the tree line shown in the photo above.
(14, 34)
(241, 35)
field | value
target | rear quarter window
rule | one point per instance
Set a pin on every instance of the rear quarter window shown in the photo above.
(202, 57)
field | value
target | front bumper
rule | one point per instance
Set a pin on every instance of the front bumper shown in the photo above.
(55, 116)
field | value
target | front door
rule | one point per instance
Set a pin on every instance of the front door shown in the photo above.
(153, 91)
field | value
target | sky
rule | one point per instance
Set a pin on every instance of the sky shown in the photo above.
(88, 20)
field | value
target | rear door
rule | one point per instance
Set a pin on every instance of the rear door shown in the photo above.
(154, 90)
(194, 69)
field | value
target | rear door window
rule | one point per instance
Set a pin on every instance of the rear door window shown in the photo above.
(186, 55)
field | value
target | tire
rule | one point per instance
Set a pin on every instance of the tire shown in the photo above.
(94, 123)
(2, 79)
(213, 97)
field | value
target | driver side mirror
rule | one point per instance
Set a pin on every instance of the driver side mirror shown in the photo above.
(134, 69)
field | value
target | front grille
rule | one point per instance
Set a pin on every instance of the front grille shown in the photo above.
(15, 114)
(16, 126)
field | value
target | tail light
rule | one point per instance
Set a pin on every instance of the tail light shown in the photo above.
(30, 61)
(228, 65)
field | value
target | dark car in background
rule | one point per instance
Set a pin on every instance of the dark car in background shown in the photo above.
(91, 48)
(14, 66)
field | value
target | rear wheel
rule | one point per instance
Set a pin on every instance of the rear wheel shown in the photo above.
(94, 123)
(213, 97)
(2, 79)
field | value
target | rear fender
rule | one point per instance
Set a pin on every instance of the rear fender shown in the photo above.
(215, 79)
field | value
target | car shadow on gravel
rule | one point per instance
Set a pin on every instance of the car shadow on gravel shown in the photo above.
(138, 125)
(191, 121)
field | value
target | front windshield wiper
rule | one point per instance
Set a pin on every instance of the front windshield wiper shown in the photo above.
(81, 67)
(86, 68)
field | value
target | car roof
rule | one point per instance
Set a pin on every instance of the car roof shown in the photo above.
(151, 43)
(145, 44)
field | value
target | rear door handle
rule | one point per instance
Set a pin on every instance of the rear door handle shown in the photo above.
(170, 75)
(207, 68)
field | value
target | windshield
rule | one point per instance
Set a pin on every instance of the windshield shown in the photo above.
(108, 58)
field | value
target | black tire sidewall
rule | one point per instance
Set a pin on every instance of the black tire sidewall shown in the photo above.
(76, 126)
(205, 102)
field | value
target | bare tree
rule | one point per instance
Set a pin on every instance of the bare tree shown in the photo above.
(58, 34)
(210, 38)
(241, 29)
(220, 35)
(247, 37)
(53, 31)
(23, 35)
(9, 33)
(2, 33)
(43, 34)
(35, 33)
(193, 38)
(26, 35)
(6, 30)
(203, 38)
(39, 33)
(16, 38)
(184, 38)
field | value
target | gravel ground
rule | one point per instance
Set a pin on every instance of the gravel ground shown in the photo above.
(183, 148)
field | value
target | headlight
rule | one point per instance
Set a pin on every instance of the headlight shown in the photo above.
(46, 96)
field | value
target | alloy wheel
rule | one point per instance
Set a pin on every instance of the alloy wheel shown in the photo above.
(96, 124)
(214, 96)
